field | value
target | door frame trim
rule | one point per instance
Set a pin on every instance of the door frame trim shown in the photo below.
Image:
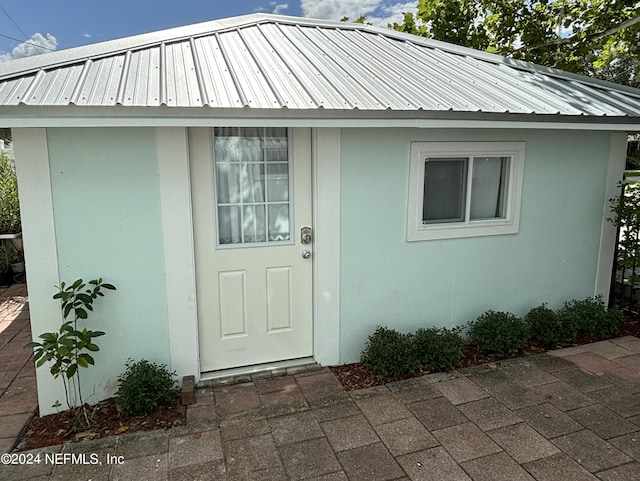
(179, 249)
(325, 181)
(172, 145)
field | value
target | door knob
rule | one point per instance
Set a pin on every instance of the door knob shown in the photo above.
(306, 254)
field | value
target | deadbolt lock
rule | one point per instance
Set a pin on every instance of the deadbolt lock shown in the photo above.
(305, 235)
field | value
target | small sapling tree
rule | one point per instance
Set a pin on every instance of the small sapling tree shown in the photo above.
(69, 348)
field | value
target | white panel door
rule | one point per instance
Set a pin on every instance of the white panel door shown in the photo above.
(251, 192)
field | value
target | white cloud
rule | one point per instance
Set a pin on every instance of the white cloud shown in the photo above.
(377, 12)
(36, 45)
(336, 9)
(86, 35)
(388, 14)
(279, 7)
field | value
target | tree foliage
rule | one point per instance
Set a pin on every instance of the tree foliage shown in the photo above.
(592, 37)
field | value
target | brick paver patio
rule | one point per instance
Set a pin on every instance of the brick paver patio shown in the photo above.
(18, 398)
(571, 414)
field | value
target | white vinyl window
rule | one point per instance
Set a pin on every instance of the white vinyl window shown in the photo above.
(464, 189)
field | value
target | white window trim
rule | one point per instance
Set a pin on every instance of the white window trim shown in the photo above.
(417, 231)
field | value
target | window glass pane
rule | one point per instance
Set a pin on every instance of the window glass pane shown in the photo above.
(276, 144)
(227, 145)
(277, 182)
(488, 187)
(227, 183)
(279, 222)
(252, 189)
(252, 182)
(229, 225)
(253, 223)
(251, 144)
(444, 190)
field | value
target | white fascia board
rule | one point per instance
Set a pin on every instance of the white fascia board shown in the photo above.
(310, 123)
(23, 116)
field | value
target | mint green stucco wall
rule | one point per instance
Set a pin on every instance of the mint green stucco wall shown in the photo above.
(106, 199)
(386, 280)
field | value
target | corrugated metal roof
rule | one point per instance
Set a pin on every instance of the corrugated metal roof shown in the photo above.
(275, 62)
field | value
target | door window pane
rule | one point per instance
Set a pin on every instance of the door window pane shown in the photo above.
(227, 146)
(229, 222)
(227, 182)
(253, 223)
(277, 182)
(444, 190)
(252, 182)
(251, 144)
(276, 147)
(252, 185)
(279, 222)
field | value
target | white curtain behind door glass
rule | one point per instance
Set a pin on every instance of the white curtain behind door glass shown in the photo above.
(488, 185)
(242, 197)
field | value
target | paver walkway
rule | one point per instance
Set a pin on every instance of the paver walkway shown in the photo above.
(18, 398)
(570, 415)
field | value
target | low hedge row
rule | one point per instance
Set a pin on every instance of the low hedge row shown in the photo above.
(390, 353)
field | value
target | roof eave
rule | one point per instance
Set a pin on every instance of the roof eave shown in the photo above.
(75, 116)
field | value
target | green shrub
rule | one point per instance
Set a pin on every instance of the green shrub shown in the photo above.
(591, 317)
(499, 333)
(439, 349)
(144, 387)
(547, 327)
(389, 353)
(9, 202)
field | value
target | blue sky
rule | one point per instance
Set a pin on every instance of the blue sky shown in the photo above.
(62, 24)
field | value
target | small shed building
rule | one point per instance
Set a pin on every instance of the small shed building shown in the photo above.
(266, 190)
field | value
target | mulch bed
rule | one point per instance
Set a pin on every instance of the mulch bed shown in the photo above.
(356, 376)
(107, 420)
